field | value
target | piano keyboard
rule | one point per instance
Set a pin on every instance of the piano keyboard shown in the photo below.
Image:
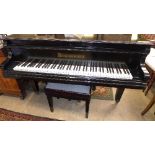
(100, 69)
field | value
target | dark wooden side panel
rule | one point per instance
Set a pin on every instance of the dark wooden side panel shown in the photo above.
(8, 85)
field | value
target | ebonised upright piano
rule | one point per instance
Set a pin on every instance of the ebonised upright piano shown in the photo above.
(94, 63)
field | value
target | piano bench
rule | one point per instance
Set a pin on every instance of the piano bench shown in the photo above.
(68, 91)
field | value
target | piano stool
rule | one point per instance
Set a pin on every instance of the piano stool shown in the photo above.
(68, 91)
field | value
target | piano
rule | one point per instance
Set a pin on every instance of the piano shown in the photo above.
(86, 62)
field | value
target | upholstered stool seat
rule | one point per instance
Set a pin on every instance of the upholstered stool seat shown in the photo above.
(150, 61)
(68, 91)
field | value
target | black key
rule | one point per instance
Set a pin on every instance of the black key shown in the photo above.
(126, 69)
(60, 64)
(116, 68)
(35, 62)
(119, 68)
(29, 65)
(49, 63)
(75, 63)
(77, 66)
(39, 61)
(69, 64)
(99, 64)
(72, 64)
(123, 69)
(43, 64)
(112, 67)
(64, 64)
(102, 66)
(54, 62)
(90, 66)
(20, 63)
(93, 66)
(84, 66)
(27, 62)
(107, 67)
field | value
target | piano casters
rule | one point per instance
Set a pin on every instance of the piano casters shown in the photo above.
(118, 94)
(152, 102)
(22, 88)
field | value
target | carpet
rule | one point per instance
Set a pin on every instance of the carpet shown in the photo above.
(8, 115)
(102, 93)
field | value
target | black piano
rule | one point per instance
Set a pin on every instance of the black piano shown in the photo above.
(86, 62)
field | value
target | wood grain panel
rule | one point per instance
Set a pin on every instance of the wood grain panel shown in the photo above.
(8, 85)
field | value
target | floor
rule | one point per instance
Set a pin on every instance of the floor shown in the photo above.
(128, 109)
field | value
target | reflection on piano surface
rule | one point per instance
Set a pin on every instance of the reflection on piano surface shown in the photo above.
(113, 64)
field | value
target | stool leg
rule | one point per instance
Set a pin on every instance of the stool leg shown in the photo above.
(150, 84)
(87, 108)
(149, 105)
(50, 102)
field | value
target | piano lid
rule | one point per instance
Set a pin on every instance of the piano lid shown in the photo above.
(62, 37)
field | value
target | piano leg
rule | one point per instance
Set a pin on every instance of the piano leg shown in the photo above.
(118, 94)
(22, 88)
(35, 86)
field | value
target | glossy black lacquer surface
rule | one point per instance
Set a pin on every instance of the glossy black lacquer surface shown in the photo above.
(132, 53)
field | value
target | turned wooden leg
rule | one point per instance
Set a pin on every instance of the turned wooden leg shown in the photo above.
(149, 105)
(87, 108)
(50, 102)
(118, 94)
(150, 84)
(22, 88)
(35, 86)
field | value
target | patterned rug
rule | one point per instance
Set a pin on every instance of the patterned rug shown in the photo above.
(102, 93)
(8, 115)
